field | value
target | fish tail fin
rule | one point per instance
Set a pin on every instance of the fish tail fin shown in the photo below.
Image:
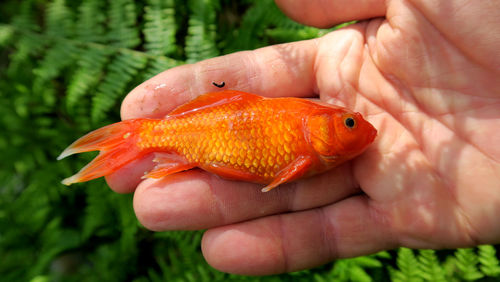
(117, 144)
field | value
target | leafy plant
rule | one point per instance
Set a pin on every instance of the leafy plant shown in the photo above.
(65, 66)
(488, 262)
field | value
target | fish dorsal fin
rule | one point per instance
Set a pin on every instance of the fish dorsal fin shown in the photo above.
(214, 99)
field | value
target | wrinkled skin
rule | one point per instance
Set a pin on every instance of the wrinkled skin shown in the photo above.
(426, 76)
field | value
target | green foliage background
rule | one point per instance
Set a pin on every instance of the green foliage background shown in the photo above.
(64, 68)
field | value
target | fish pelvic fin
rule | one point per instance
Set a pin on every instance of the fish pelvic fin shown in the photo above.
(117, 144)
(166, 164)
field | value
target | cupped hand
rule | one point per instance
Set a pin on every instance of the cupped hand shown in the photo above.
(426, 76)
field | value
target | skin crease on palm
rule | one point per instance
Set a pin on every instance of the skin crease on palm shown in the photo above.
(424, 73)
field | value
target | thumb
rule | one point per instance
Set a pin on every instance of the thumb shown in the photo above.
(327, 13)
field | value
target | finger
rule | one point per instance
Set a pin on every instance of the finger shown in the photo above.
(199, 200)
(126, 179)
(280, 70)
(321, 13)
(299, 240)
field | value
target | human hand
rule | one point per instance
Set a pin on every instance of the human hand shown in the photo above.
(426, 77)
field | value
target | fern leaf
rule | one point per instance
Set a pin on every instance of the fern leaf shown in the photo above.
(319, 278)
(128, 221)
(353, 269)
(253, 25)
(383, 254)
(200, 41)
(488, 261)
(59, 19)
(467, 264)
(287, 35)
(123, 30)
(28, 44)
(55, 60)
(24, 18)
(55, 240)
(97, 203)
(160, 27)
(450, 267)
(281, 21)
(408, 266)
(91, 65)
(431, 269)
(357, 273)
(6, 34)
(367, 261)
(90, 22)
(121, 71)
(340, 270)
(348, 270)
(159, 65)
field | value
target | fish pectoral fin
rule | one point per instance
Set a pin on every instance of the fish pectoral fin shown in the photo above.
(293, 171)
(168, 164)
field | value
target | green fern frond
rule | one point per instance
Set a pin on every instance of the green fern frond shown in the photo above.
(449, 266)
(91, 65)
(488, 262)
(286, 35)
(59, 19)
(24, 18)
(6, 34)
(345, 270)
(466, 263)
(121, 71)
(97, 203)
(58, 56)
(160, 27)
(90, 22)
(28, 44)
(253, 25)
(430, 267)
(159, 65)
(128, 225)
(56, 240)
(123, 31)
(164, 267)
(200, 40)
(354, 269)
(409, 269)
(187, 263)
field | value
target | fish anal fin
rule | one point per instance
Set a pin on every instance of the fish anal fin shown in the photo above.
(214, 99)
(293, 171)
(168, 164)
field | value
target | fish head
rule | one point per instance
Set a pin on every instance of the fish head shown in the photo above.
(338, 134)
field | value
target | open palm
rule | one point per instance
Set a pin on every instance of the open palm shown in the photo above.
(426, 76)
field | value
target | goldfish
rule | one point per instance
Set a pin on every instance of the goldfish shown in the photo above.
(233, 134)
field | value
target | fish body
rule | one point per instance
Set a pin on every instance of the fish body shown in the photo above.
(233, 134)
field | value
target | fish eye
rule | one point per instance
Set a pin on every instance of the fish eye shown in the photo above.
(349, 122)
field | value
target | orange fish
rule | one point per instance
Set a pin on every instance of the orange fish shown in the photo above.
(233, 134)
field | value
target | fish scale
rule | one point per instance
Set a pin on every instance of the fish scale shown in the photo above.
(223, 140)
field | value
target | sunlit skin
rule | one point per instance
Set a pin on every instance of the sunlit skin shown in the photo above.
(426, 76)
(236, 135)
